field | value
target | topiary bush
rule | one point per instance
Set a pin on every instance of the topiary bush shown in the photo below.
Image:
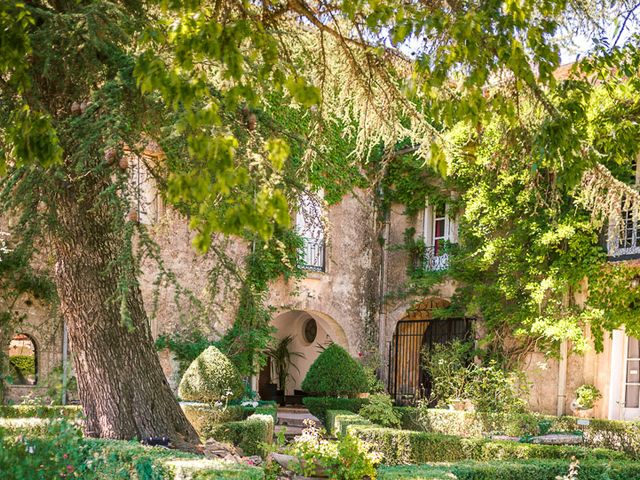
(211, 377)
(251, 435)
(335, 373)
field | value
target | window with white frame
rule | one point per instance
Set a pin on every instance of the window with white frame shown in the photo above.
(439, 229)
(309, 226)
(624, 236)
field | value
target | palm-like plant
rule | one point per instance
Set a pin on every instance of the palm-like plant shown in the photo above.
(282, 359)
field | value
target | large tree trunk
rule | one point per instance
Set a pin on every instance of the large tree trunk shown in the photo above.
(122, 387)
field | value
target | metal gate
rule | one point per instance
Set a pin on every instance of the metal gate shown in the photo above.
(407, 379)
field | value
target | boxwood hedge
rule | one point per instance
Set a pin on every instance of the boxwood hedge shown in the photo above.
(512, 470)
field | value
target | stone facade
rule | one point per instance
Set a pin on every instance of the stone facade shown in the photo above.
(351, 302)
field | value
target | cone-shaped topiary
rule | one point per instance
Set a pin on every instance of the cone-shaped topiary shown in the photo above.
(210, 377)
(335, 373)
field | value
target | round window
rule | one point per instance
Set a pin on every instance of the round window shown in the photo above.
(310, 330)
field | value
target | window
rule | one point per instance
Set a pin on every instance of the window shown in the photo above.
(632, 382)
(146, 203)
(438, 229)
(309, 226)
(23, 360)
(624, 237)
(310, 331)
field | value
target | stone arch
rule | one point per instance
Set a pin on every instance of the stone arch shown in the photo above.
(23, 357)
(293, 322)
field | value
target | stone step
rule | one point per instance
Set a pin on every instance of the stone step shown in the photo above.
(295, 419)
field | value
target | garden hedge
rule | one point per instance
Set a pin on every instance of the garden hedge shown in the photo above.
(40, 411)
(405, 446)
(339, 420)
(512, 470)
(319, 406)
(250, 434)
(93, 459)
(613, 434)
(204, 416)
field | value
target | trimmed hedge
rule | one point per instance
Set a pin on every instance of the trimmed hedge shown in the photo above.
(404, 446)
(335, 373)
(40, 411)
(319, 406)
(613, 434)
(204, 416)
(93, 459)
(250, 434)
(339, 420)
(512, 470)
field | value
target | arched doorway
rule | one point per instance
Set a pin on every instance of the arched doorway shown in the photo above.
(419, 328)
(23, 360)
(306, 333)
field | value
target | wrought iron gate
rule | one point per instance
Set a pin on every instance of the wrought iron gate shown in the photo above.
(407, 379)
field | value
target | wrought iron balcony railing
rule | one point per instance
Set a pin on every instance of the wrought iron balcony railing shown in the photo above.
(434, 261)
(312, 256)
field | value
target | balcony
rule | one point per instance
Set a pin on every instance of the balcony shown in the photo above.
(433, 260)
(312, 256)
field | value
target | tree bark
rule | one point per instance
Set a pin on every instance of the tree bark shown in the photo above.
(121, 385)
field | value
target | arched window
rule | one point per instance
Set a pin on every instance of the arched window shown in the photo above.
(23, 360)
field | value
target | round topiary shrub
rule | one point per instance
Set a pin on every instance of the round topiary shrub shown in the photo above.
(210, 377)
(335, 373)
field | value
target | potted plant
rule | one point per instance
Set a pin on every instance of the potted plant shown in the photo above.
(282, 360)
(586, 398)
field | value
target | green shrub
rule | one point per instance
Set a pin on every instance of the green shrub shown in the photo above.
(335, 373)
(210, 378)
(471, 424)
(380, 411)
(203, 415)
(612, 434)
(512, 470)
(250, 435)
(25, 364)
(64, 453)
(339, 420)
(403, 446)
(318, 406)
(40, 411)
(348, 458)
(587, 396)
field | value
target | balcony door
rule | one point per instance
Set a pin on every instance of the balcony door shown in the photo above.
(309, 225)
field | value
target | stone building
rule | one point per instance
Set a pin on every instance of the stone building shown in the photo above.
(347, 297)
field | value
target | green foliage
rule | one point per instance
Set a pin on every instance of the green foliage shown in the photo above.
(380, 411)
(250, 435)
(210, 378)
(405, 446)
(185, 347)
(587, 396)
(62, 452)
(25, 364)
(512, 470)
(347, 458)
(40, 411)
(611, 434)
(489, 387)
(319, 406)
(335, 373)
(338, 421)
(282, 359)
